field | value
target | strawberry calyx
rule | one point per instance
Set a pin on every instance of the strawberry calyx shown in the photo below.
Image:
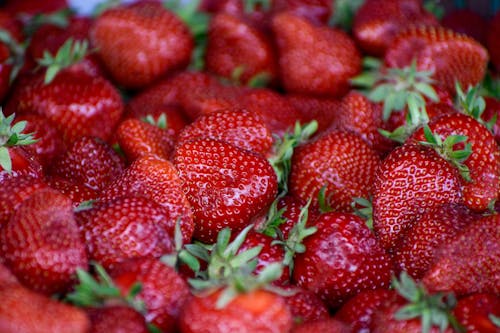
(160, 122)
(490, 87)
(363, 208)
(70, 53)
(182, 253)
(434, 310)
(281, 160)
(17, 53)
(472, 104)
(259, 80)
(274, 219)
(251, 6)
(84, 205)
(415, 118)
(446, 149)
(58, 18)
(11, 135)
(324, 200)
(435, 8)
(344, 12)
(495, 320)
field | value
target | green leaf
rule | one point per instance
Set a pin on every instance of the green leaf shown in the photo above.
(51, 73)
(226, 296)
(427, 90)
(495, 320)
(240, 238)
(5, 161)
(246, 256)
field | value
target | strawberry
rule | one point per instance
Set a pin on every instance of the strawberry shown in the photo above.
(474, 312)
(329, 325)
(33, 7)
(470, 262)
(461, 58)
(417, 249)
(138, 43)
(23, 310)
(116, 319)
(314, 60)
(226, 185)
(235, 45)
(323, 110)
(306, 306)
(355, 261)
(240, 128)
(316, 11)
(376, 24)
(6, 276)
(493, 48)
(41, 243)
(157, 180)
(90, 162)
(468, 22)
(78, 193)
(411, 180)
(339, 160)
(11, 51)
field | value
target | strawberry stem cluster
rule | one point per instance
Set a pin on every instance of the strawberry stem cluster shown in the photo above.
(11, 135)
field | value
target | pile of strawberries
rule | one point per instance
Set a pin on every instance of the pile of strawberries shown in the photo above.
(249, 166)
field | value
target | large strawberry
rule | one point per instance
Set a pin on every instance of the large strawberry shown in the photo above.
(226, 185)
(41, 243)
(314, 60)
(140, 42)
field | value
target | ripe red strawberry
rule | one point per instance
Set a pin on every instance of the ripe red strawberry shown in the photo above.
(461, 58)
(226, 185)
(306, 306)
(240, 128)
(377, 23)
(90, 162)
(339, 160)
(116, 319)
(6, 276)
(483, 163)
(256, 311)
(163, 291)
(78, 193)
(157, 180)
(341, 259)
(23, 310)
(316, 11)
(41, 243)
(314, 60)
(471, 262)
(124, 228)
(417, 249)
(329, 325)
(141, 42)
(235, 45)
(491, 42)
(23, 163)
(473, 312)
(75, 102)
(411, 180)
(323, 110)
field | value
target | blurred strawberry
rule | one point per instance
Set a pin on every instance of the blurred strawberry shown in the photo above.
(468, 22)
(323, 110)
(116, 319)
(492, 41)
(329, 325)
(315, 11)
(474, 312)
(32, 7)
(306, 306)
(11, 51)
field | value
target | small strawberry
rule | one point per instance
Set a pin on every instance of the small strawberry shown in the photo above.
(138, 43)
(474, 312)
(329, 325)
(226, 185)
(41, 243)
(116, 319)
(314, 60)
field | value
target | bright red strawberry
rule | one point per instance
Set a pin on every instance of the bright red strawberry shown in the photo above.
(483, 163)
(377, 23)
(314, 60)
(417, 249)
(41, 243)
(341, 259)
(411, 180)
(163, 291)
(339, 160)
(226, 186)
(323, 110)
(235, 45)
(78, 193)
(23, 310)
(141, 42)
(256, 311)
(306, 306)
(471, 262)
(473, 312)
(492, 41)
(124, 228)
(75, 102)
(329, 325)
(156, 180)
(90, 162)
(461, 58)
(116, 319)
(358, 312)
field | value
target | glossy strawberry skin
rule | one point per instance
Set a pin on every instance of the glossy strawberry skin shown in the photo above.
(473, 312)
(461, 58)
(323, 110)
(116, 319)
(314, 60)
(78, 193)
(411, 180)
(24, 164)
(226, 186)
(140, 42)
(341, 259)
(339, 160)
(41, 243)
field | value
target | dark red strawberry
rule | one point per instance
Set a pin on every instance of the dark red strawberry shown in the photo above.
(41, 243)
(468, 22)
(474, 312)
(377, 23)
(89, 161)
(306, 306)
(157, 180)
(341, 259)
(329, 325)
(124, 228)
(78, 193)
(226, 185)
(33, 7)
(492, 38)
(138, 43)
(316, 11)
(461, 58)
(339, 160)
(116, 319)
(323, 110)
(314, 60)
(471, 262)
(235, 46)
(411, 180)
(23, 310)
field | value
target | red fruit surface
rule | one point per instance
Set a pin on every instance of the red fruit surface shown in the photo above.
(24, 164)
(468, 22)
(323, 110)
(473, 312)
(78, 193)
(116, 319)
(492, 41)
(329, 325)
(306, 306)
